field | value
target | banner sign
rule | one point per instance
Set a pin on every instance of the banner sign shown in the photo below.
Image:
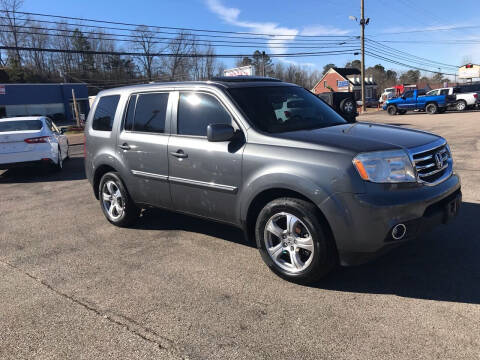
(239, 71)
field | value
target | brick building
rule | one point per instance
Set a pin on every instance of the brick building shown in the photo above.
(346, 80)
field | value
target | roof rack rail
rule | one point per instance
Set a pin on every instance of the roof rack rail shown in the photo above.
(243, 78)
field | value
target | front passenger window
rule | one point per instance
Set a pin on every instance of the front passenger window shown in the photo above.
(196, 111)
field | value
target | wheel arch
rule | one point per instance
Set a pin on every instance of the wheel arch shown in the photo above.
(267, 195)
(99, 172)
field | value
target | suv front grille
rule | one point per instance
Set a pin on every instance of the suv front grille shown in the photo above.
(432, 164)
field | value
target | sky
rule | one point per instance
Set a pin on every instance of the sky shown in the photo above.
(431, 29)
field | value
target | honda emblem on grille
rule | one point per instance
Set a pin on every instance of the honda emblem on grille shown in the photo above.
(439, 160)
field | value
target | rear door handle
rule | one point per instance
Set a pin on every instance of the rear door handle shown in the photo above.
(179, 154)
(124, 146)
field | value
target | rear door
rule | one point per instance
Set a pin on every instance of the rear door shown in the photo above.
(142, 145)
(204, 176)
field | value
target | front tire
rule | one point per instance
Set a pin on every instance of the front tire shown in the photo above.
(116, 204)
(293, 242)
(392, 110)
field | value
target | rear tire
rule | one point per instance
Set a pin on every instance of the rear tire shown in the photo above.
(392, 110)
(116, 204)
(348, 107)
(461, 105)
(293, 241)
(431, 108)
(58, 166)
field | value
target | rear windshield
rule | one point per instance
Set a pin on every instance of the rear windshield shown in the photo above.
(277, 109)
(20, 125)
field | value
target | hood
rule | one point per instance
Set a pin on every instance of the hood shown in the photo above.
(362, 137)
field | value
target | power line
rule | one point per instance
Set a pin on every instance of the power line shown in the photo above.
(132, 35)
(169, 27)
(189, 42)
(411, 57)
(94, 52)
(430, 29)
(403, 64)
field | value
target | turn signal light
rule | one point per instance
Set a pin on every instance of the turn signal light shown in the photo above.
(361, 169)
(37, 140)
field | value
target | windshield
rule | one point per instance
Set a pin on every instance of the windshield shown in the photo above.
(277, 109)
(20, 125)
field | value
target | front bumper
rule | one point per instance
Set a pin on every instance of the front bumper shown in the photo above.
(362, 223)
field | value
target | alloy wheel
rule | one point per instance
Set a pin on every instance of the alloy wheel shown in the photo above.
(112, 200)
(289, 242)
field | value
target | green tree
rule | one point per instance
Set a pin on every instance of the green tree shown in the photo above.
(356, 64)
(410, 77)
(328, 67)
(261, 62)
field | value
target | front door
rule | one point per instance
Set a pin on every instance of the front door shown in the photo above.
(142, 145)
(408, 101)
(204, 176)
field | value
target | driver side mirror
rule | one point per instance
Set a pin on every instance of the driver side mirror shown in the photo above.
(220, 132)
(63, 130)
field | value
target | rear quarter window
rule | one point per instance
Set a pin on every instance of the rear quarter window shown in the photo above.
(105, 113)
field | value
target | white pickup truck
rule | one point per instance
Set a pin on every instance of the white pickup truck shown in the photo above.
(463, 100)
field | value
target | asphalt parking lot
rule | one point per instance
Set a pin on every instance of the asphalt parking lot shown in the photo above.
(173, 287)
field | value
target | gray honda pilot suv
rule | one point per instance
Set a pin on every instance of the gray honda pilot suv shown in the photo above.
(273, 159)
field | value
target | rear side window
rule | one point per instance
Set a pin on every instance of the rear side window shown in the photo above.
(196, 111)
(105, 113)
(20, 125)
(150, 113)
(130, 113)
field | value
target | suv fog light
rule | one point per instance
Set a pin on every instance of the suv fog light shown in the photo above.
(399, 231)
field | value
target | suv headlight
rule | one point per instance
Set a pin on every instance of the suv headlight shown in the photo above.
(385, 167)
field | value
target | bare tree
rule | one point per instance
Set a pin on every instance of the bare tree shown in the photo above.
(144, 42)
(11, 34)
(181, 49)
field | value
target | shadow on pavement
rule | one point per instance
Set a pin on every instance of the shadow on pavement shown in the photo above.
(157, 219)
(73, 169)
(444, 265)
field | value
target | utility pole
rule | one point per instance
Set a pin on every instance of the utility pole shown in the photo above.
(362, 23)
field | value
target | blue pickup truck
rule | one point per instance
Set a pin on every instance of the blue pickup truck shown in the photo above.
(416, 100)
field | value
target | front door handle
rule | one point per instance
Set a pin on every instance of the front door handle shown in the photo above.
(179, 154)
(124, 146)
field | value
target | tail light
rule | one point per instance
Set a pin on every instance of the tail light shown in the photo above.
(287, 114)
(475, 96)
(37, 140)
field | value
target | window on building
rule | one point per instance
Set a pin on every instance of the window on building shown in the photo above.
(196, 111)
(55, 111)
(105, 113)
(150, 112)
(325, 84)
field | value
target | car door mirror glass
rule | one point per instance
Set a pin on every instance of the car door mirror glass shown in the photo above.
(220, 132)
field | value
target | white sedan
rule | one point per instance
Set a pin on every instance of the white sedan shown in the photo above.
(28, 140)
